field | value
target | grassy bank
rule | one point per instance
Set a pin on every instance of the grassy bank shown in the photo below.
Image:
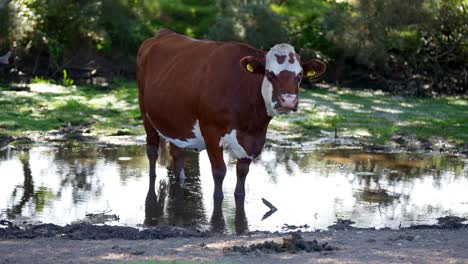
(377, 116)
(45, 106)
(114, 111)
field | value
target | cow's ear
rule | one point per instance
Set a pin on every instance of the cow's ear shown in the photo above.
(314, 68)
(253, 64)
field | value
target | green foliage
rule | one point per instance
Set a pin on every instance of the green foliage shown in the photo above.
(420, 46)
(38, 79)
(253, 22)
(66, 81)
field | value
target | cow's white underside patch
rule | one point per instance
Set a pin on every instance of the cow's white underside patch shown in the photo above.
(197, 142)
(229, 142)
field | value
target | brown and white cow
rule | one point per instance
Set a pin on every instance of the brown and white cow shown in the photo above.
(215, 95)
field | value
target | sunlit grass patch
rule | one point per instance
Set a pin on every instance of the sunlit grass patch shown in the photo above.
(380, 115)
(49, 106)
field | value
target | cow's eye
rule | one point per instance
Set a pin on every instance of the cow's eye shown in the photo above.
(270, 75)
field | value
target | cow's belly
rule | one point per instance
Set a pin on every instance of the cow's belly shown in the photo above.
(197, 142)
(228, 142)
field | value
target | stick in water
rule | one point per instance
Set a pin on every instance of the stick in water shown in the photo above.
(267, 203)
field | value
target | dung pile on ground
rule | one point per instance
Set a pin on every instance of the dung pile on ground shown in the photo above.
(292, 245)
(88, 231)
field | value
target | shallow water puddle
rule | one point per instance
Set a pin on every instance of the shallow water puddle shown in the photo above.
(59, 185)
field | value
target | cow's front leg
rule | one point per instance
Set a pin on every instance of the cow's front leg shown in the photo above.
(218, 168)
(215, 153)
(242, 169)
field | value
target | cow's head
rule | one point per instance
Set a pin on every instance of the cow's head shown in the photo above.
(283, 72)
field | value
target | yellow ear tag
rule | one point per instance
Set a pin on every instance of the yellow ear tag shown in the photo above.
(250, 67)
(311, 73)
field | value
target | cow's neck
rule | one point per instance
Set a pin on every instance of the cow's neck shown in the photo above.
(253, 113)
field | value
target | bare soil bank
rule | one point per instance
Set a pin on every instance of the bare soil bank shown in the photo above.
(352, 246)
(446, 242)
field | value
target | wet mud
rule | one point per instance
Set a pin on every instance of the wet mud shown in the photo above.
(80, 231)
(446, 222)
(93, 232)
(291, 245)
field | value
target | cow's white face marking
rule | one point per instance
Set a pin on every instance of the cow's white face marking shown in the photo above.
(272, 64)
(229, 142)
(197, 142)
(267, 93)
(289, 63)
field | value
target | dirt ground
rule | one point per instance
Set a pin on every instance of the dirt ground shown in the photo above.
(432, 245)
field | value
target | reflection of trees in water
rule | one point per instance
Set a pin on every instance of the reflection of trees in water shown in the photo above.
(369, 168)
(380, 176)
(38, 197)
(287, 158)
(127, 168)
(81, 168)
(376, 175)
(77, 167)
(5, 154)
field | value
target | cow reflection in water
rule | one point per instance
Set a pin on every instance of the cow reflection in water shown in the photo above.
(179, 202)
(218, 224)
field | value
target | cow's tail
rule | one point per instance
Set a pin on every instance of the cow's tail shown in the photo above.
(164, 157)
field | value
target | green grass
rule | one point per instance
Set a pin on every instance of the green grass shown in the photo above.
(47, 107)
(377, 116)
(371, 115)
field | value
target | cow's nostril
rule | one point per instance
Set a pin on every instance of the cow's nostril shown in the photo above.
(288, 100)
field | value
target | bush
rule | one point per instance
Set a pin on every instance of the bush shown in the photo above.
(417, 47)
(254, 23)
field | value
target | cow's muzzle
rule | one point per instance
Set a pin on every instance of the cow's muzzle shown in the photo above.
(287, 103)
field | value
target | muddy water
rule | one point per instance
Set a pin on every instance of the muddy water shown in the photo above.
(313, 188)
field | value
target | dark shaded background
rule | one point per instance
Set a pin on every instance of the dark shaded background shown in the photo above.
(407, 47)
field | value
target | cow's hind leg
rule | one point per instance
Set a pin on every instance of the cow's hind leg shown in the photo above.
(152, 147)
(242, 169)
(178, 156)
